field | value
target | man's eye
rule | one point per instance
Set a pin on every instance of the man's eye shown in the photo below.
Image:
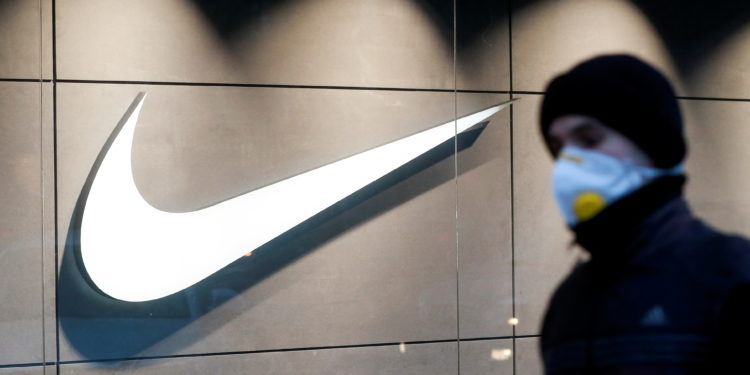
(590, 139)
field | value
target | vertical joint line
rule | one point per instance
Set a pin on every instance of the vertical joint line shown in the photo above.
(55, 185)
(455, 182)
(41, 181)
(512, 187)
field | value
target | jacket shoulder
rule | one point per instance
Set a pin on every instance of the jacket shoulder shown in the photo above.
(727, 255)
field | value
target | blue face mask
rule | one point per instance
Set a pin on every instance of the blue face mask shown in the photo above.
(585, 181)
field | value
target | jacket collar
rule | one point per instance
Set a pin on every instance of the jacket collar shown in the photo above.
(635, 222)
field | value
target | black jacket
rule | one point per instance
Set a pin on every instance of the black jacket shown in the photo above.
(663, 293)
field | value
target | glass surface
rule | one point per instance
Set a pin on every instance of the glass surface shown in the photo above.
(242, 96)
(25, 228)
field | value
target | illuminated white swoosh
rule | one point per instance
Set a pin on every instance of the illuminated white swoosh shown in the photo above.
(135, 252)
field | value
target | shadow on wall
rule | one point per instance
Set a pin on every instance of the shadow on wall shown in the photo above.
(99, 327)
(692, 30)
(475, 17)
(230, 17)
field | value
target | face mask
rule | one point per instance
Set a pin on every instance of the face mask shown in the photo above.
(585, 181)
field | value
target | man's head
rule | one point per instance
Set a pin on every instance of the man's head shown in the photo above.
(610, 97)
(614, 126)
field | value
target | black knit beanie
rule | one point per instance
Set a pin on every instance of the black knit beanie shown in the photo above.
(625, 94)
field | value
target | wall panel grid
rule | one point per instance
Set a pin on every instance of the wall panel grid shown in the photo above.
(443, 266)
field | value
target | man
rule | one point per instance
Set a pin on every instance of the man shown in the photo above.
(662, 293)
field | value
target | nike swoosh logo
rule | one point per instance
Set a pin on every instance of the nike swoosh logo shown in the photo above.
(134, 252)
